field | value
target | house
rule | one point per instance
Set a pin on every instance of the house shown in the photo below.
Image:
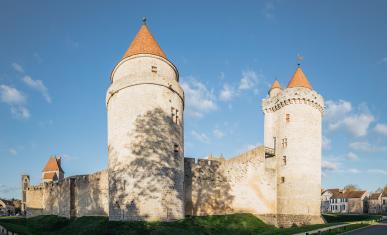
(6, 207)
(357, 201)
(325, 199)
(341, 201)
(384, 201)
(375, 203)
(338, 203)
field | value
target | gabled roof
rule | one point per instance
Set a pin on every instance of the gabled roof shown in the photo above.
(276, 84)
(144, 43)
(375, 196)
(50, 176)
(52, 165)
(333, 191)
(299, 80)
(354, 194)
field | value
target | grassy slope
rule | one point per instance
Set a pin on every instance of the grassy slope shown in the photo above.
(337, 218)
(222, 224)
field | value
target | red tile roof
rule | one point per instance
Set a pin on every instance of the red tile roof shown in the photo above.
(144, 43)
(276, 84)
(52, 164)
(50, 176)
(299, 80)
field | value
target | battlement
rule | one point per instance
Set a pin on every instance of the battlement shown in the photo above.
(297, 95)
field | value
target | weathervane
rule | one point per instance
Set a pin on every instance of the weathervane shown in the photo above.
(299, 59)
(144, 20)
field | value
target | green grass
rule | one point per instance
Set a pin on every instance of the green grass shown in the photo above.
(234, 224)
(340, 218)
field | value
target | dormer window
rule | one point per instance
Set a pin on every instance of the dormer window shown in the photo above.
(154, 69)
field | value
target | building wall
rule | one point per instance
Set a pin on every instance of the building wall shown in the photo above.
(145, 139)
(375, 206)
(241, 184)
(356, 205)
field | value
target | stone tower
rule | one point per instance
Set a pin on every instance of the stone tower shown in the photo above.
(292, 127)
(25, 181)
(53, 171)
(145, 104)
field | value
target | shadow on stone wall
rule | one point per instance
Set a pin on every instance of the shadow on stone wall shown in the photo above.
(207, 189)
(153, 173)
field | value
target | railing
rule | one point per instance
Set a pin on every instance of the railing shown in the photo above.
(269, 152)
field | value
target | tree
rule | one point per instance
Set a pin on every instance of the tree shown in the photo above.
(351, 187)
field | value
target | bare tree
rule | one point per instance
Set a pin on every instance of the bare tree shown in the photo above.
(351, 187)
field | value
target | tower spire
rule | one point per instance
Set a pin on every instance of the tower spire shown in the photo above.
(299, 79)
(144, 43)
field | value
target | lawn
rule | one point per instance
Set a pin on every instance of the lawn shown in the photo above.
(218, 224)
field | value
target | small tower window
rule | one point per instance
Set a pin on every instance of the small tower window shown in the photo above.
(287, 117)
(282, 179)
(175, 148)
(175, 115)
(284, 160)
(154, 69)
(284, 142)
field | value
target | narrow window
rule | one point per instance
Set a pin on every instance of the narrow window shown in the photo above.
(176, 148)
(154, 69)
(287, 117)
(284, 160)
(173, 113)
(284, 142)
(282, 179)
(177, 117)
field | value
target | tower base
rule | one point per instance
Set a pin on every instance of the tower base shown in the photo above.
(286, 221)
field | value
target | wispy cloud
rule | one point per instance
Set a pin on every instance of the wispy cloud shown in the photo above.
(199, 99)
(4, 189)
(377, 171)
(383, 60)
(37, 85)
(351, 156)
(381, 128)
(250, 80)
(367, 147)
(16, 100)
(18, 68)
(326, 143)
(12, 151)
(200, 137)
(329, 166)
(218, 133)
(340, 115)
(227, 93)
(268, 10)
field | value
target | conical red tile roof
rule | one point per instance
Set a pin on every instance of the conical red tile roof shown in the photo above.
(299, 80)
(144, 43)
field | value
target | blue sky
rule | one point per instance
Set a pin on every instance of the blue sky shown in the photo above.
(56, 58)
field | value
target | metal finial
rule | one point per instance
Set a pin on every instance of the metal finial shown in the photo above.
(144, 20)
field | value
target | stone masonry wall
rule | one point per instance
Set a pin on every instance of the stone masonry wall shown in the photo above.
(241, 184)
(77, 196)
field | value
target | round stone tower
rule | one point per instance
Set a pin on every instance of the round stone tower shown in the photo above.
(293, 119)
(145, 104)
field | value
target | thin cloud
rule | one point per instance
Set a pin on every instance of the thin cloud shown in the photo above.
(352, 157)
(12, 151)
(381, 128)
(201, 137)
(227, 93)
(326, 143)
(329, 166)
(218, 133)
(249, 80)
(11, 95)
(339, 115)
(199, 99)
(18, 68)
(367, 147)
(16, 100)
(377, 171)
(37, 85)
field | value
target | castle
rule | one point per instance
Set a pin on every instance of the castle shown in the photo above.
(148, 178)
